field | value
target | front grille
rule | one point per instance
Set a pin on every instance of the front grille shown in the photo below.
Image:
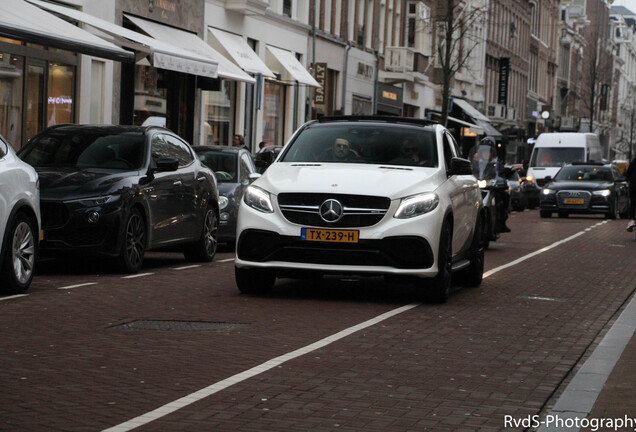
(54, 214)
(406, 252)
(358, 210)
(570, 194)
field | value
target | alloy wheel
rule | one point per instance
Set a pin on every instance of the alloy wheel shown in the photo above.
(135, 240)
(23, 252)
(211, 226)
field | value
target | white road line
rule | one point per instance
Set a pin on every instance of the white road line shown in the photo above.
(533, 254)
(136, 275)
(268, 365)
(13, 297)
(78, 285)
(226, 260)
(275, 362)
(187, 267)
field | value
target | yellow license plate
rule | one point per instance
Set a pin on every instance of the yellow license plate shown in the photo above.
(327, 235)
(573, 201)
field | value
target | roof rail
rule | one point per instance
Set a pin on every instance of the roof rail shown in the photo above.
(377, 118)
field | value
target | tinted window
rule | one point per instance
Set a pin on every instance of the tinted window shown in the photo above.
(556, 156)
(181, 150)
(222, 163)
(368, 144)
(86, 149)
(584, 173)
(3, 148)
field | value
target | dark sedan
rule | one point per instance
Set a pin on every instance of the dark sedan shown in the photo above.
(587, 189)
(122, 190)
(234, 170)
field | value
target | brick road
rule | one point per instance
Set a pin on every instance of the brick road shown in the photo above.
(501, 349)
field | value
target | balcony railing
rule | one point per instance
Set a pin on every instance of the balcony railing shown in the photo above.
(403, 59)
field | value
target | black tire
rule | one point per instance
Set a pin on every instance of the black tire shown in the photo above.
(440, 286)
(545, 214)
(254, 280)
(133, 248)
(564, 215)
(205, 248)
(20, 252)
(472, 275)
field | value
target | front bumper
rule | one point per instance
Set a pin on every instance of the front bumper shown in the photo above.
(594, 204)
(66, 227)
(405, 247)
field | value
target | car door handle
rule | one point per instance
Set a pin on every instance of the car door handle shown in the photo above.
(177, 182)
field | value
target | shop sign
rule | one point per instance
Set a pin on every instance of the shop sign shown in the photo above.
(60, 100)
(504, 73)
(390, 95)
(321, 75)
(163, 8)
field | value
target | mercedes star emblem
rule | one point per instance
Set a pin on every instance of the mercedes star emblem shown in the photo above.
(331, 211)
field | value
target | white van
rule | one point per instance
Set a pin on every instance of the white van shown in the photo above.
(555, 149)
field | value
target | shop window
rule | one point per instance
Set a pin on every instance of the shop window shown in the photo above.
(11, 41)
(60, 100)
(11, 84)
(361, 106)
(217, 116)
(274, 112)
(150, 98)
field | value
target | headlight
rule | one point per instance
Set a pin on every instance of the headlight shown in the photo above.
(96, 201)
(482, 183)
(258, 199)
(416, 205)
(223, 201)
(604, 192)
(547, 191)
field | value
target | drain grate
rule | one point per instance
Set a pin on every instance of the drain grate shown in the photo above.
(183, 326)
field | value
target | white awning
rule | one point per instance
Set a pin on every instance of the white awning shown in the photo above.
(161, 54)
(470, 110)
(237, 48)
(288, 61)
(22, 21)
(193, 43)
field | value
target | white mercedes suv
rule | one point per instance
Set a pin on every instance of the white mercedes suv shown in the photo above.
(19, 221)
(364, 196)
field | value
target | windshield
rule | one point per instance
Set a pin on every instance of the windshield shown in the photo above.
(123, 151)
(556, 156)
(485, 163)
(222, 163)
(365, 144)
(584, 173)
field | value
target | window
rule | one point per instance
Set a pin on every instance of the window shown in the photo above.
(287, 8)
(60, 102)
(180, 150)
(11, 84)
(167, 146)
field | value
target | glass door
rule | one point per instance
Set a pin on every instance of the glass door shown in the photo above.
(34, 107)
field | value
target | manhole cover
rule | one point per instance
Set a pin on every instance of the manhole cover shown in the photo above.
(183, 326)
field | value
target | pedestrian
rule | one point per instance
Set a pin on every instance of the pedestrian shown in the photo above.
(239, 141)
(630, 176)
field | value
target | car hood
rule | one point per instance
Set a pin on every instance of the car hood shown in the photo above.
(579, 185)
(71, 183)
(393, 182)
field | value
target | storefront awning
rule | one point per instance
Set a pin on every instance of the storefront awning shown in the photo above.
(191, 42)
(289, 62)
(161, 54)
(23, 21)
(477, 130)
(237, 48)
(479, 118)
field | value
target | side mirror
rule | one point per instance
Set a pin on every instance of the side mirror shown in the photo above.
(621, 179)
(460, 166)
(166, 164)
(548, 178)
(254, 176)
